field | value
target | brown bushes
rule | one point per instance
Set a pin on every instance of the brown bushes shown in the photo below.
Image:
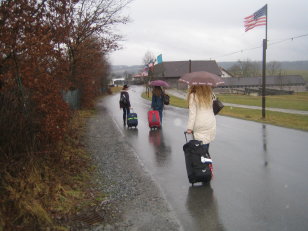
(47, 47)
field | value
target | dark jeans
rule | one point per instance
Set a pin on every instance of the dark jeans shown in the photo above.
(160, 115)
(207, 146)
(126, 111)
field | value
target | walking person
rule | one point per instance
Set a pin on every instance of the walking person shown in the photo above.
(125, 103)
(158, 101)
(201, 118)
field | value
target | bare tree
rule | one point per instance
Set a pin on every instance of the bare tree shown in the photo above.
(148, 57)
(98, 18)
(245, 69)
(95, 19)
(273, 68)
(236, 70)
(249, 68)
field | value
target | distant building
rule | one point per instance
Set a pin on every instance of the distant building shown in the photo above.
(171, 71)
(294, 83)
(118, 81)
(139, 79)
(225, 73)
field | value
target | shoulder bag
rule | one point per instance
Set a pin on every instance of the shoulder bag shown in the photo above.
(217, 105)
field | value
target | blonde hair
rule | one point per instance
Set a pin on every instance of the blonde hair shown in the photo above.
(203, 94)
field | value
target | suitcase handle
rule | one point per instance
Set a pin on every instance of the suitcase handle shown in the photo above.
(192, 133)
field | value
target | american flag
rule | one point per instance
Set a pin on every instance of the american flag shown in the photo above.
(256, 19)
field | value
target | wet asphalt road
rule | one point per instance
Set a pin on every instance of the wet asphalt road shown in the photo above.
(260, 171)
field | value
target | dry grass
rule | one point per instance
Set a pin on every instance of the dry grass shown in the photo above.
(115, 89)
(39, 190)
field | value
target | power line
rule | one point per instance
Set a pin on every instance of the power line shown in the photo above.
(269, 44)
(284, 40)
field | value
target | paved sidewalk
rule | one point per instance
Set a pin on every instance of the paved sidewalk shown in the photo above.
(181, 94)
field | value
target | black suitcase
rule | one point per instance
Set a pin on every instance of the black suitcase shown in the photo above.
(198, 161)
(132, 120)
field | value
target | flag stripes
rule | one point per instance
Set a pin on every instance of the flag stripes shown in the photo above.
(259, 18)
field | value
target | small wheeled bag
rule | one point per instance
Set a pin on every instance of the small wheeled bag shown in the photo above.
(154, 119)
(198, 161)
(132, 120)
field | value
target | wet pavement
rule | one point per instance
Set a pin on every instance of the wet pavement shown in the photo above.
(259, 170)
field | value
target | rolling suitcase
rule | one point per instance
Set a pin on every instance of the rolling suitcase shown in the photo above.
(198, 161)
(154, 119)
(132, 120)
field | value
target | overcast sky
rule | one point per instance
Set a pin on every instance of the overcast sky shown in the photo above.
(204, 30)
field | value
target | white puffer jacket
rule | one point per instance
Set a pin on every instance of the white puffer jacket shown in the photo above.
(201, 121)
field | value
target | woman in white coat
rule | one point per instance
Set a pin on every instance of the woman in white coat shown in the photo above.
(201, 118)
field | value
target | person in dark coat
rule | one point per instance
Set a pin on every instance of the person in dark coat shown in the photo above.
(158, 101)
(125, 103)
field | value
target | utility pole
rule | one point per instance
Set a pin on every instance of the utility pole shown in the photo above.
(264, 69)
(264, 77)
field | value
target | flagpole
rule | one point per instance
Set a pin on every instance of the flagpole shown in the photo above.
(264, 68)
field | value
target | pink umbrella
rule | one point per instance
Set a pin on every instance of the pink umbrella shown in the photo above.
(201, 78)
(160, 83)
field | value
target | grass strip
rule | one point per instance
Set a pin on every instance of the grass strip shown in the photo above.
(298, 101)
(287, 120)
(174, 101)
